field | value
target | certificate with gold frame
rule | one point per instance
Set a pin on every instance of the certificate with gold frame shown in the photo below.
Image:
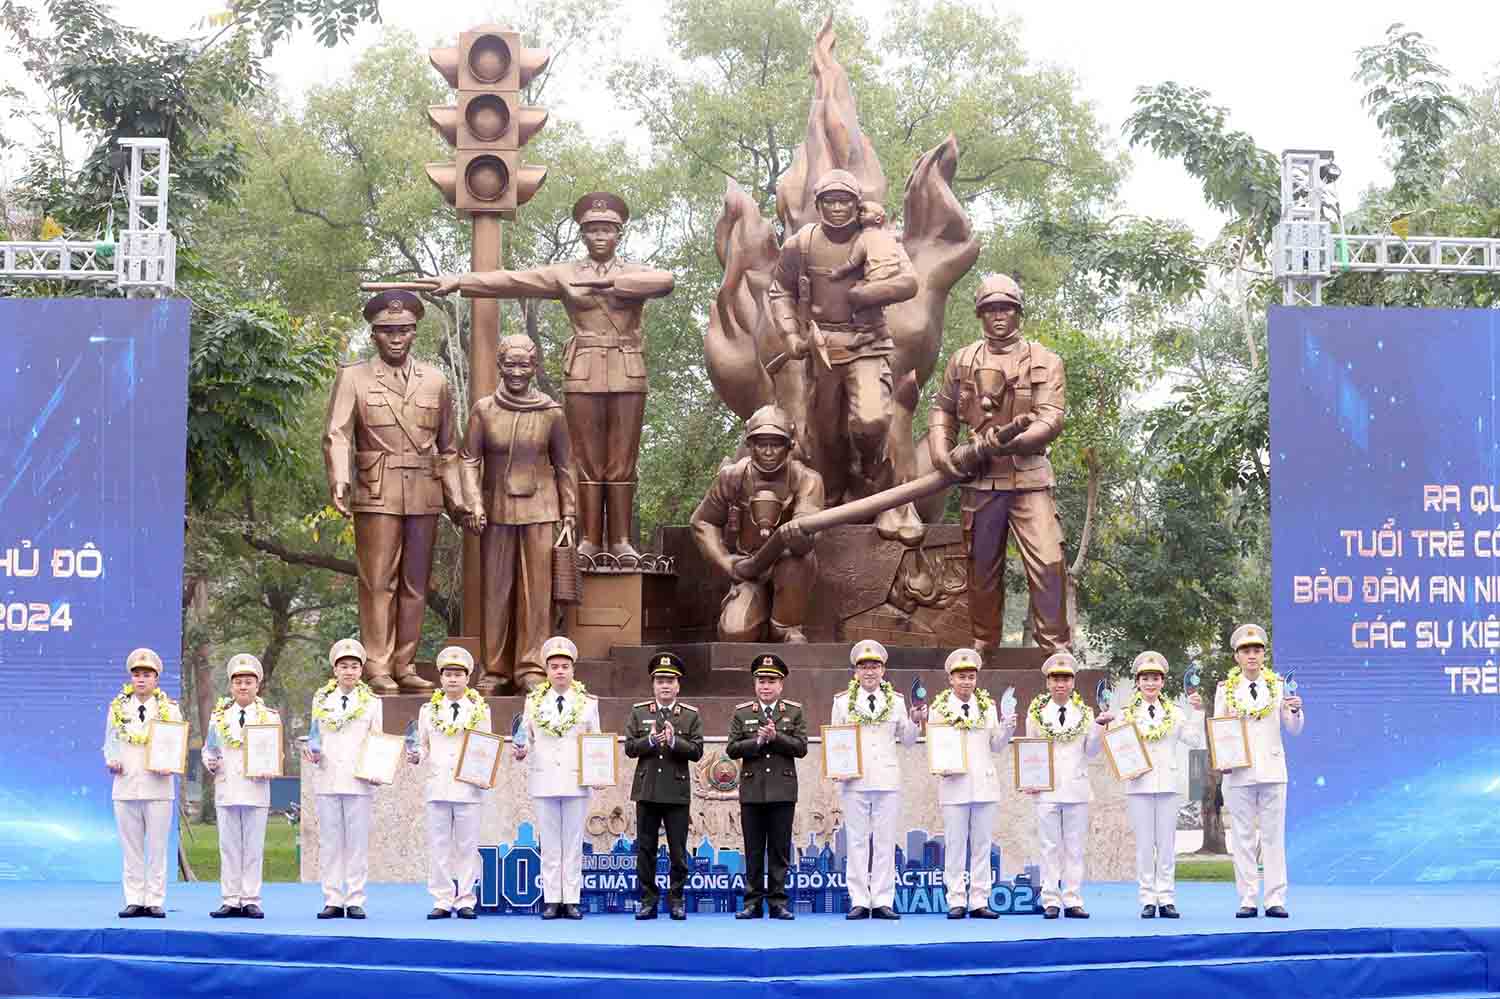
(263, 751)
(1031, 761)
(167, 747)
(1126, 751)
(478, 759)
(597, 756)
(843, 758)
(947, 750)
(379, 757)
(1229, 743)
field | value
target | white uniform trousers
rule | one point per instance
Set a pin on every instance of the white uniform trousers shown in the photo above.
(560, 826)
(1063, 829)
(1153, 818)
(1262, 806)
(145, 826)
(452, 853)
(871, 815)
(242, 852)
(967, 835)
(344, 848)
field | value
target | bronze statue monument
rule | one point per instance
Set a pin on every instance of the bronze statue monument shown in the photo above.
(518, 483)
(389, 447)
(604, 374)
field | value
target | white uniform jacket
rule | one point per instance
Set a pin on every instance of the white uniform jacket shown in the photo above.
(342, 745)
(981, 782)
(552, 760)
(1169, 766)
(440, 751)
(1070, 760)
(877, 742)
(136, 783)
(231, 786)
(1267, 758)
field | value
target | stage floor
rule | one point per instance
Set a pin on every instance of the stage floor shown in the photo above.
(63, 939)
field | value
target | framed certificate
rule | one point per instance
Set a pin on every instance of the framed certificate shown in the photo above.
(478, 759)
(167, 747)
(1127, 752)
(1032, 763)
(379, 757)
(1228, 743)
(842, 759)
(263, 751)
(947, 750)
(596, 759)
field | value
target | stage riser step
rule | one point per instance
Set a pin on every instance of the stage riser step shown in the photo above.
(109, 976)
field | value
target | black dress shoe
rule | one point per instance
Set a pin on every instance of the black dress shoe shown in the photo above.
(1051, 912)
(1075, 912)
(252, 911)
(226, 912)
(957, 912)
(749, 912)
(334, 912)
(885, 912)
(1277, 912)
(781, 912)
(438, 914)
(646, 913)
(1168, 911)
(1245, 912)
(132, 912)
(551, 910)
(679, 911)
(156, 912)
(858, 912)
(1148, 912)
(355, 912)
(467, 912)
(570, 910)
(983, 912)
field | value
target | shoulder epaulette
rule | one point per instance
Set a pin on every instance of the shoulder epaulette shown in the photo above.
(798, 704)
(644, 704)
(746, 704)
(690, 707)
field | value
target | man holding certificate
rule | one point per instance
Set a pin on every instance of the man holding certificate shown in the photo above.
(142, 798)
(1061, 717)
(663, 736)
(969, 797)
(242, 801)
(872, 801)
(557, 713)
(768, 735)
(1155, 797)
(345, 713)
(1256, 794)
(452, 805)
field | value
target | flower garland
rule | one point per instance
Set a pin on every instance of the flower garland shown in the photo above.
(863, 717)
(333, 722)
(560, 726)
(476, 703)
(1151, 732)
(944, 708)
(1073, 731)
(218, 721)
(122, 721)
(1232, 685)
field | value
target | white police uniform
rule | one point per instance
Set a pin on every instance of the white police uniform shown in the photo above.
(142, 800)
(453, 807)
(1063, 812)
(242, 804)
(343, 800)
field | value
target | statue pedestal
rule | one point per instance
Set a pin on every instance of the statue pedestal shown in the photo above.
(622, 608)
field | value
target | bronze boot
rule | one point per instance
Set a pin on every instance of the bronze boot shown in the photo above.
(590, 518)
(620, 503)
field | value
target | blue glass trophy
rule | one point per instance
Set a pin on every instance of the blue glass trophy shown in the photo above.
(213, 751)
(112, 745)
(314, 737)
(1008, 703)
(411, 736)
(1103, 694)
(918, 692)
(518, 730)
(1290, 682)
(1193, 678)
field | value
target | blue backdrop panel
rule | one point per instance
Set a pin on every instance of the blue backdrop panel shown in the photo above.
(93, 403)
(1384, 512)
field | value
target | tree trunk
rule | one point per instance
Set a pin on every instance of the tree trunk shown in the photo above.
(1212, 821)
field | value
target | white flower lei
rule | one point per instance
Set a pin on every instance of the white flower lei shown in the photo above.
(451, 728)
(333, 722)
(1232, 682)
(218, 721)
(561, 726)
(1085, 714)
(1151, 732)
(943, 706)
(863, 717)
(121, 720)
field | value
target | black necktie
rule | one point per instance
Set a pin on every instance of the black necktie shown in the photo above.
(1062, 713)
(142, 709)
(872, 704)
(966, 711)
(455, 711)
(1151, 710)
(559, 703)
(346, 702)
(242, 717)
(1252, 690)
(768, 712)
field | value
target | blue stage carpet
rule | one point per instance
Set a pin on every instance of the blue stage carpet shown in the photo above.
(62, 939)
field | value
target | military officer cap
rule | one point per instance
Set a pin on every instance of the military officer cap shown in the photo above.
(1149, 662)
(393, 308)
(455, 657)
(346, 648)
(769, 421)
(1060, 664)
(601, 206)
(244, 664)
(666, 664)
(962, 659)
(768, 664)
(835, 181)
(1248, 634)
(559, 645)
(998, 289)
(868, 650)
(143, 659)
